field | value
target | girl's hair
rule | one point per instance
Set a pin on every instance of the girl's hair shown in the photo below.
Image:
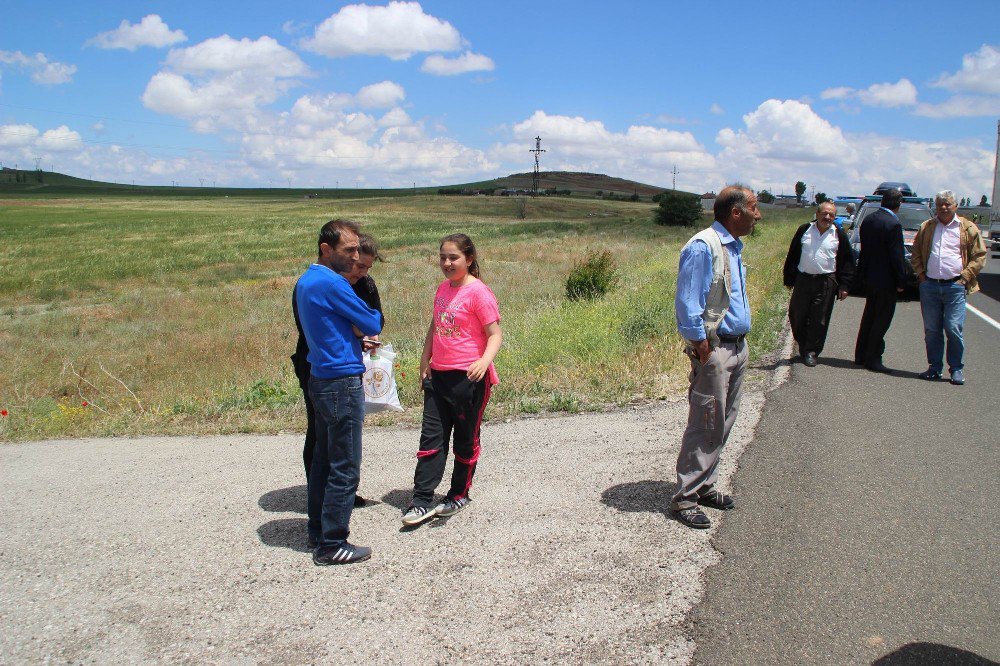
(465, 246)
(368, 245)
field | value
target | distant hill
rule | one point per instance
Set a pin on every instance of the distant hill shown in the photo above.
(14, 182)
(577, 182)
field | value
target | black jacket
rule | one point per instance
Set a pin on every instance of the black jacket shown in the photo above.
(880, 264)
(845, 258)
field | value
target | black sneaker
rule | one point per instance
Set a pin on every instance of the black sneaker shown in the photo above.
(693, 517)
(716, 500)
(345, 554)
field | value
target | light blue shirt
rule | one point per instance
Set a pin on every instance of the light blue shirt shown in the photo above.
(894, 216)
(694, 279)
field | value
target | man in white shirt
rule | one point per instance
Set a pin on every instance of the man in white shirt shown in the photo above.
(818, 268)
(948, 253)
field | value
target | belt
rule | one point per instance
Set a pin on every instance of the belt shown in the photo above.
(946, 280)
(732, 338)
(816, 275)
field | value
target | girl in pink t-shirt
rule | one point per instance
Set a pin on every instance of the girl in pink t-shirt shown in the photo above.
(456, 373)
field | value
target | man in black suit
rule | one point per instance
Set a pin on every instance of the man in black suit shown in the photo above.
(881, 271)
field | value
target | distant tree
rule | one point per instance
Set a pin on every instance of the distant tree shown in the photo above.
(982, 202)
(821, 197)
(765, 197)
(678, 209)
(599, 193)
(800, 189)
(634, 197)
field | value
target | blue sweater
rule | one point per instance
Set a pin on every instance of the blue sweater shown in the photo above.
(327, 308)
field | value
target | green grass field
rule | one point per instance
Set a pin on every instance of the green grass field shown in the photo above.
(172, 315)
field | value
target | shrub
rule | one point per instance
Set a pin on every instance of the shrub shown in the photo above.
(678, 209)
(593, 278)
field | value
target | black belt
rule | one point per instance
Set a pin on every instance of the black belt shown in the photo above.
(817, 275)
(732, 338)
(946, 280)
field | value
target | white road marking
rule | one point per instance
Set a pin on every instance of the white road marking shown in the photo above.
(982, 315)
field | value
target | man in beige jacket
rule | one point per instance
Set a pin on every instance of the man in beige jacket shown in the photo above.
(948, 253)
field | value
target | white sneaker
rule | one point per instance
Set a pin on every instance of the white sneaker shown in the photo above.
(451, 507)
(418, 514)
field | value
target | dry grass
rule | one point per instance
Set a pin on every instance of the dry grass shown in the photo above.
(173, 316)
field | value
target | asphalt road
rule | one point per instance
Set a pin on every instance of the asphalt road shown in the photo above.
(866, 525)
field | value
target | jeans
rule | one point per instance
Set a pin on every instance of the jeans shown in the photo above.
(336, 464)
(942, 305)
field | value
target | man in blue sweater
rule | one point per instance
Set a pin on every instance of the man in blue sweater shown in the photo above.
(330, 311)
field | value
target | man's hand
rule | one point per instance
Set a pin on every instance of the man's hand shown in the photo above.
(842, 294)
(703, 350)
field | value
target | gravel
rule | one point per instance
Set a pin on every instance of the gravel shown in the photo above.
(194, 549)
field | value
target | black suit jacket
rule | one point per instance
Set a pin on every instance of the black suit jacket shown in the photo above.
(845, 259)
(880, 264)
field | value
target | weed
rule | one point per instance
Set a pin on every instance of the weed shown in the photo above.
(592, 278)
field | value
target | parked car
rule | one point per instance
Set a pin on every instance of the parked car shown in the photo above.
(902, 187)
(843, 219)
(913, 212)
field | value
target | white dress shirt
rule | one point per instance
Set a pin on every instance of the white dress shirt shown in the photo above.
(945, 261)
(819, 251)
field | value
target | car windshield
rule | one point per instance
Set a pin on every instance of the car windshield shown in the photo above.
(842, 209)
(912, 218)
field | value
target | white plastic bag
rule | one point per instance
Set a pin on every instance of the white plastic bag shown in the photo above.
(379, 381)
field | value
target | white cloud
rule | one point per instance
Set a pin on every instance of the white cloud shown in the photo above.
(961, 106)
(980, 73)
(841, 92)
(43, 71)
(716, 110)
(889, 95)
(783, 142)
(901, 93)
(264, 57)
(397, 31)
(380, 95)
(223, 82)
(440, 65)
(59, 140)
(395, 118)
(150, 31)
(574, 143)
(15, 136)
(785, 130)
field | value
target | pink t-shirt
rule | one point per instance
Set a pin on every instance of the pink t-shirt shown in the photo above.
(460, 317)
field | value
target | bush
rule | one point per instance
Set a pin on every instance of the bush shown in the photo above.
(678, 210)
(593, 278)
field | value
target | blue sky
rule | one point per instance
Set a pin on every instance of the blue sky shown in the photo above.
(841, 95)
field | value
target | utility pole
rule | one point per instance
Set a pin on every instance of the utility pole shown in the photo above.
(675, 172)
(534, 178)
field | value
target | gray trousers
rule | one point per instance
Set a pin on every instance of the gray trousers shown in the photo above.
(714, 400)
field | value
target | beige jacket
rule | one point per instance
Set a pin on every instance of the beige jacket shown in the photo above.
(973, 251)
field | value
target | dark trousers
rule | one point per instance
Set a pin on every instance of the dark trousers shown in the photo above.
(336, 463)
(452, 403)
(880, 306)
(809, 310)
(310, 443)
